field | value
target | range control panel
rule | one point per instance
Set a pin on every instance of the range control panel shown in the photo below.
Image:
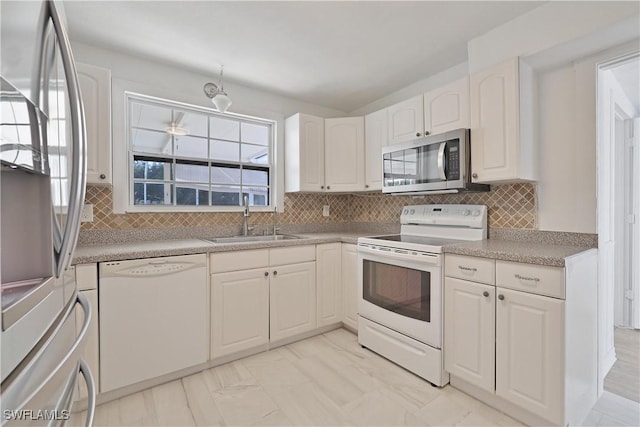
(474, 216)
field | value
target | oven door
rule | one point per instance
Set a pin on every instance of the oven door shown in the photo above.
(402, 291)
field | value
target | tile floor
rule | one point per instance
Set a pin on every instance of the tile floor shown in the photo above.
(327, 380)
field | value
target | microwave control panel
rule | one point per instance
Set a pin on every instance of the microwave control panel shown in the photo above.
(453, 160)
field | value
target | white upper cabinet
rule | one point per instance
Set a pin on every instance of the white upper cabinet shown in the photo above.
(304, 153)
(95, 87)
(344, 154)
(375, 137)
(447, 108)
(502, 124)
(406, 120)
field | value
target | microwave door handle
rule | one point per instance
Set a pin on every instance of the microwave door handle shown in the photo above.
(443, 174)
(79, 145)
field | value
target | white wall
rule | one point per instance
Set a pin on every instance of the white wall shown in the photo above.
(171, 81)
(593, 25)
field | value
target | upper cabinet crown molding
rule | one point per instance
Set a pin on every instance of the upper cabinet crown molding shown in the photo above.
(503, 123)
(95, 87)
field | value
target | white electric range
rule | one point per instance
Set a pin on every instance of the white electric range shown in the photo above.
(400, 287)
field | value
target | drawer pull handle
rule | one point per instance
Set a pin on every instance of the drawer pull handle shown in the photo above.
(461, 267)
(527, 279)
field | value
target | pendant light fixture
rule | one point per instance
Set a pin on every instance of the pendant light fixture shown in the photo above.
(217, 94)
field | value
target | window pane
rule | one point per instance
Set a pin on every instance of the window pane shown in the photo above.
(150, 116)
(255, 154)
(226, 151)
(195, 124)
(255, 134)
(155, 142)
(145, 193)
(222, 175)
(225, 195)
(255, 177)
(146, 168)
(258, 196)
(224, 129)
(192, 172)
(190, 146)
(192, 194)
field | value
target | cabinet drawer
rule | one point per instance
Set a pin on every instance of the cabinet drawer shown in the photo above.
(239, 260)
(292, 255)
(536, 279)
(470, 268)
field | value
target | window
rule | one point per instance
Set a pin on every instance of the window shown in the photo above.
(190, 156)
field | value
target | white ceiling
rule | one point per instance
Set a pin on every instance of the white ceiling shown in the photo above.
(340, 55)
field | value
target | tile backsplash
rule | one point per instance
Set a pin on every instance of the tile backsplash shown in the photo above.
(510, 206)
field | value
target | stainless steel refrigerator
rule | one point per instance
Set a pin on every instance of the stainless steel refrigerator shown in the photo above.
(42, 188)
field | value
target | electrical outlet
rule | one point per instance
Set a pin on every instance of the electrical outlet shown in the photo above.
(325, 210)
(87, 213)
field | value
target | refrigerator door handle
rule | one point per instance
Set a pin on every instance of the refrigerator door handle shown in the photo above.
(79, 146)
(91, 392)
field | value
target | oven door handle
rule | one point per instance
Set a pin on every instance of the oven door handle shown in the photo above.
(430, 259)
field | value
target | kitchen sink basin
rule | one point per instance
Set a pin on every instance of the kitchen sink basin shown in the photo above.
(251, 239)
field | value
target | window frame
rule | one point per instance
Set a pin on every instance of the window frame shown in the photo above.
(272, 149)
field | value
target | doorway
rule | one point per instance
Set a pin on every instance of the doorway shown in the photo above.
(618, 165)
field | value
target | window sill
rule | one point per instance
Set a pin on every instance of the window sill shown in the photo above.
(188, 209)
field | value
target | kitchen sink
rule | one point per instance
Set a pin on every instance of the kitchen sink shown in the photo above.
(251, 239)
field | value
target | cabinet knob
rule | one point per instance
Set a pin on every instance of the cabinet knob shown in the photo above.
(474, 175)
(366, 186)
(328, 187)
(103, 176)
(266, 274)
(322, 187)
(417, 133)
(275, 272)
(501, 297)
(426, 132)
(485, 294)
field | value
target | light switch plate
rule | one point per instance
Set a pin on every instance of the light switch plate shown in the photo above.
(325, 210)
(87, 213)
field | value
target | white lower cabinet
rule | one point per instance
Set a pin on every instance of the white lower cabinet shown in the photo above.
(470, 332)
(533, 356)
(530, 352)
(292, 301)
(329, 284)
(239, 311)
(263, 295)
(350, 285)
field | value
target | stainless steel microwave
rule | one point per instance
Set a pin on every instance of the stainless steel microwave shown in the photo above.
(435, 164)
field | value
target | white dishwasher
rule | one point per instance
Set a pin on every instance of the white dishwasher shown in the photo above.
(154, 318)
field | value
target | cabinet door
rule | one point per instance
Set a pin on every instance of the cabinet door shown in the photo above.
(239, 311)
(90, 353)
(530, 352)
(494, 123)
(292, 300)
(328, 282)
(447, 108)
(304, 153)
(350, 284)
(469, 332)
(406, 120)
(375, 137)
(344, 154)
(95, 85)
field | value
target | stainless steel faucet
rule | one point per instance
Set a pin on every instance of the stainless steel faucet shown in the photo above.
(245, 216)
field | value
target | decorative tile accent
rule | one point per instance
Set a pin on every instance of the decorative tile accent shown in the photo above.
(510, 206)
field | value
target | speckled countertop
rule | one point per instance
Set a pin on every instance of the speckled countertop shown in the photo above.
(122, 251)
(553, 255)
(535, 251)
